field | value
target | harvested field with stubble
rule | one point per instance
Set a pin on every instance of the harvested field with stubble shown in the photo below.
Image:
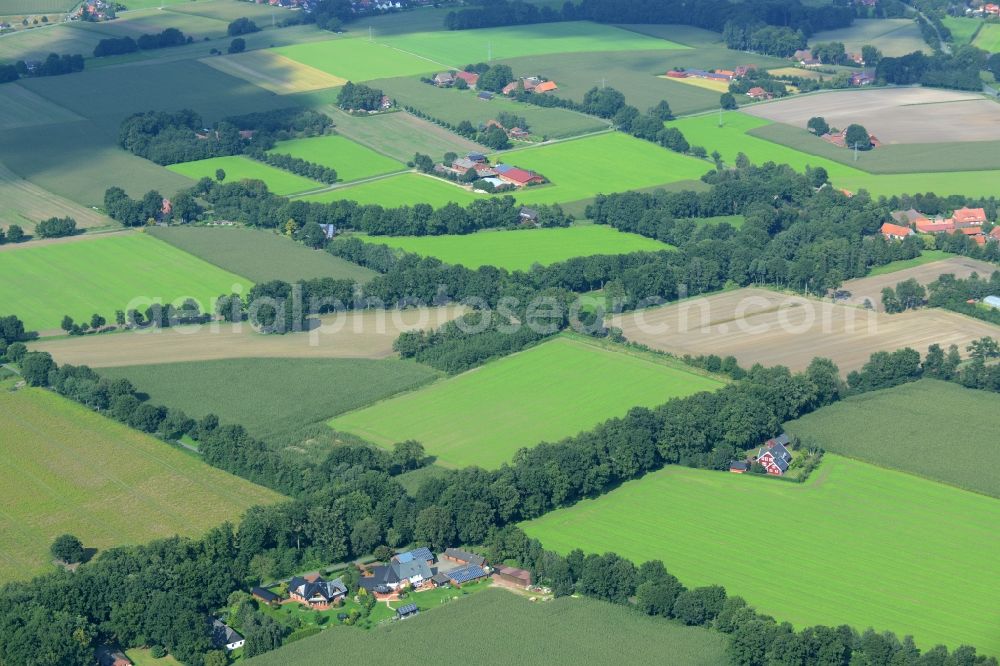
(871, 287)
(273, 71)
(24, 203)
(345, 335)
(894, 37)
(894, 115)
(771, 328)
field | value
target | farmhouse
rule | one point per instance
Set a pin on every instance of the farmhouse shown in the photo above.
(839, 139)
(759, 93)
(862, 79)
(315, 592)
(444, 79)
(935, 226)
(470, 78)
(528, 215)
(512, 576)
(107, 656)
(518, 177)
(995, 233)
(518, 133)
(224, 636)
(775, 457)
(545, 86)
(461, 556)
(409, 568)
(968, 217)
(895, 232)
(485, 96)
(739, 466)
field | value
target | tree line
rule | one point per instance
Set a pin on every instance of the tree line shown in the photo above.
(53, 65)
(359, 97)
(492, 137)
(146, 42)
(296, 165)
(959, 70)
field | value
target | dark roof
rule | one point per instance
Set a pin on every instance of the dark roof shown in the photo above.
(326, 589)
(485, 95)
(739, 464)
(440, 579)
(408, 609)
(424, 554)
(465, 556)
(529, 213)
(223, 634)
(266, 595)
(466, 573)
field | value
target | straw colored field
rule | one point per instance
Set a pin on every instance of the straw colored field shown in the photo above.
(290, 393)
(482, 417)
(104, 274)
(351, 160)
(894, 37)
(19, 107)
(521, 249)
(24, 203)
(400, 135)
(565, 632)
(760, 326)
(459, 47)
(870, 287)
(988, 38)
(903, 428)
(345, 335)
(82, 473)
(900, 548)
(358, 59)
(274, 72)
(259, 255)
(239, 168)
(402, 190)
(707, 84)
(797, 72)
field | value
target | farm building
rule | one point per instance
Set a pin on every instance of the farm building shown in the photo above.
(775, 457)
(409, 568)
(992, 301)
(107, 656)
(513, 576)
(264, 595)
(406, 611)
(895, 232)
(519, 177)
(528, 215)
(462, 557)
(467, 574)
(444, 79)
(546, 86)
(739, 467)
(862, 79)
(518, 133)
(224, 636)
(968, 217)
(470, 78)
(935, 226)
(485, 96)
(995, 233)
(759, 93)
(316, 592)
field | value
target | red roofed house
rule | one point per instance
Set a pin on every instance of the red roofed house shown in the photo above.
(546, 86)
(675, 74)
(758, 93)
(510, 88)
(895, 232)
(991, 8)
(995, 234)
(727, 73)
(469, 77)
(741, 70)
(968, 217)
(926, 226)
(972, 231)
(521, 177)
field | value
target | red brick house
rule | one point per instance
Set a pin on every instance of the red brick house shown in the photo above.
(775, 457)
(521, 177)
(313, 591)
(926, 226)
(512, 576)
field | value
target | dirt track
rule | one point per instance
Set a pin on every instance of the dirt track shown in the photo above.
(367, 335)
(760, 326)
(871, 287)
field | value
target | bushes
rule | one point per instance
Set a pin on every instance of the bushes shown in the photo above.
(359, 97)
(146, 42)
(297, 165)
(55, 227)
(241, 26)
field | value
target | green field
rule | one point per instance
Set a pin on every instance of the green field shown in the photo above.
(238, 167)
(18, 7)
(103, 274)
(351, 160)
(400, 135)
(855, 544)
(259, 255)
(19, 107)
(460, 47)
(568, 631)
(962, 29)
(521, 249)
(358, 59)
(72, 470)
(913, 428)
(402, 190)
(926, 257)
(287, 393)
(551, 391)
(988, 38)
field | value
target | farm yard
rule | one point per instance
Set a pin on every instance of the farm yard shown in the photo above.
(352, 161)
(762, 326)
(110, 485)
(238, 167)
(108, 273)
(848, 517)
(482, 417)
(904, 427)
(343, 335)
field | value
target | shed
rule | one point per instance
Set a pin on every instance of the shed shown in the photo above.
(406, 611)
(466, 574)
(462, 556)
(265, 595)
(513, 576)
(739, 466)
(485, 96)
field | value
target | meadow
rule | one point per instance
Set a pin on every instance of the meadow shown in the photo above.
(962, 29)
(899, 547)
(18, 7)
(108, 484)
(357, 59)
(521, 249)
(566, 631)
(352, 161)
(905, 428)
(289, 393)
(988, 38)
(546, 393)
(107, 274)
(402, 190)
(238, 167)
(259, 255)
(272, 71)
(893, 37)
(400, 135)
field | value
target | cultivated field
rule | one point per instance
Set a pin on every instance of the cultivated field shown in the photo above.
(893, 37)
(19, 108)
(105, 274)
(273, 71)
(347, 335)
(238, 167)
(900, 548)
(460, 47)
(707, 84)
(110, 485)
(482, 417)
(358, 59)
(871, 287)
(567, 631)
(19, 7)
(259, 255)
(521, 249)
(894, 115)
(352, 161)
(904, 428)
(988, 38)
(403, 190)
(761, 326)
(288, 393)
(24, 203)
(400, 135)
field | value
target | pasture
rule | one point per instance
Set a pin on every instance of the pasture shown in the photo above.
(24, 203)
(564, 632)
(352, 161)
(521, 249)
(108, 484)
(770, 328)
(108, 273)
(460, 47)
(358, 59)
(402, 190)
(259, 255)
(935, 265)
(988, 38)
(238, 167)
(882, 535)
(904, 427)
(343, 335)
(400, 135)
(289, 393)
(962, 29)
(893, 37)
(275, 72)
(21, 7)
(482, 417)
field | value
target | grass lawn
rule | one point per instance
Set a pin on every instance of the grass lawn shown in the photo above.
(107, 274)
(460, 47)
(108, 484)
(907, 554)
(259, 255)
(988, 38)
(521, 249)
(358, 59)
(351, 160)
(564, 632)
(287, 393)
(400, 135)
(239, 168)
(926, 257)
(548, 392)
(402, 190)
(903, 428)
(143, 657)
(962, 29)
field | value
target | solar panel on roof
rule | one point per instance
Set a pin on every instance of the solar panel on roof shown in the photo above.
(403, 558)
(465, 574)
